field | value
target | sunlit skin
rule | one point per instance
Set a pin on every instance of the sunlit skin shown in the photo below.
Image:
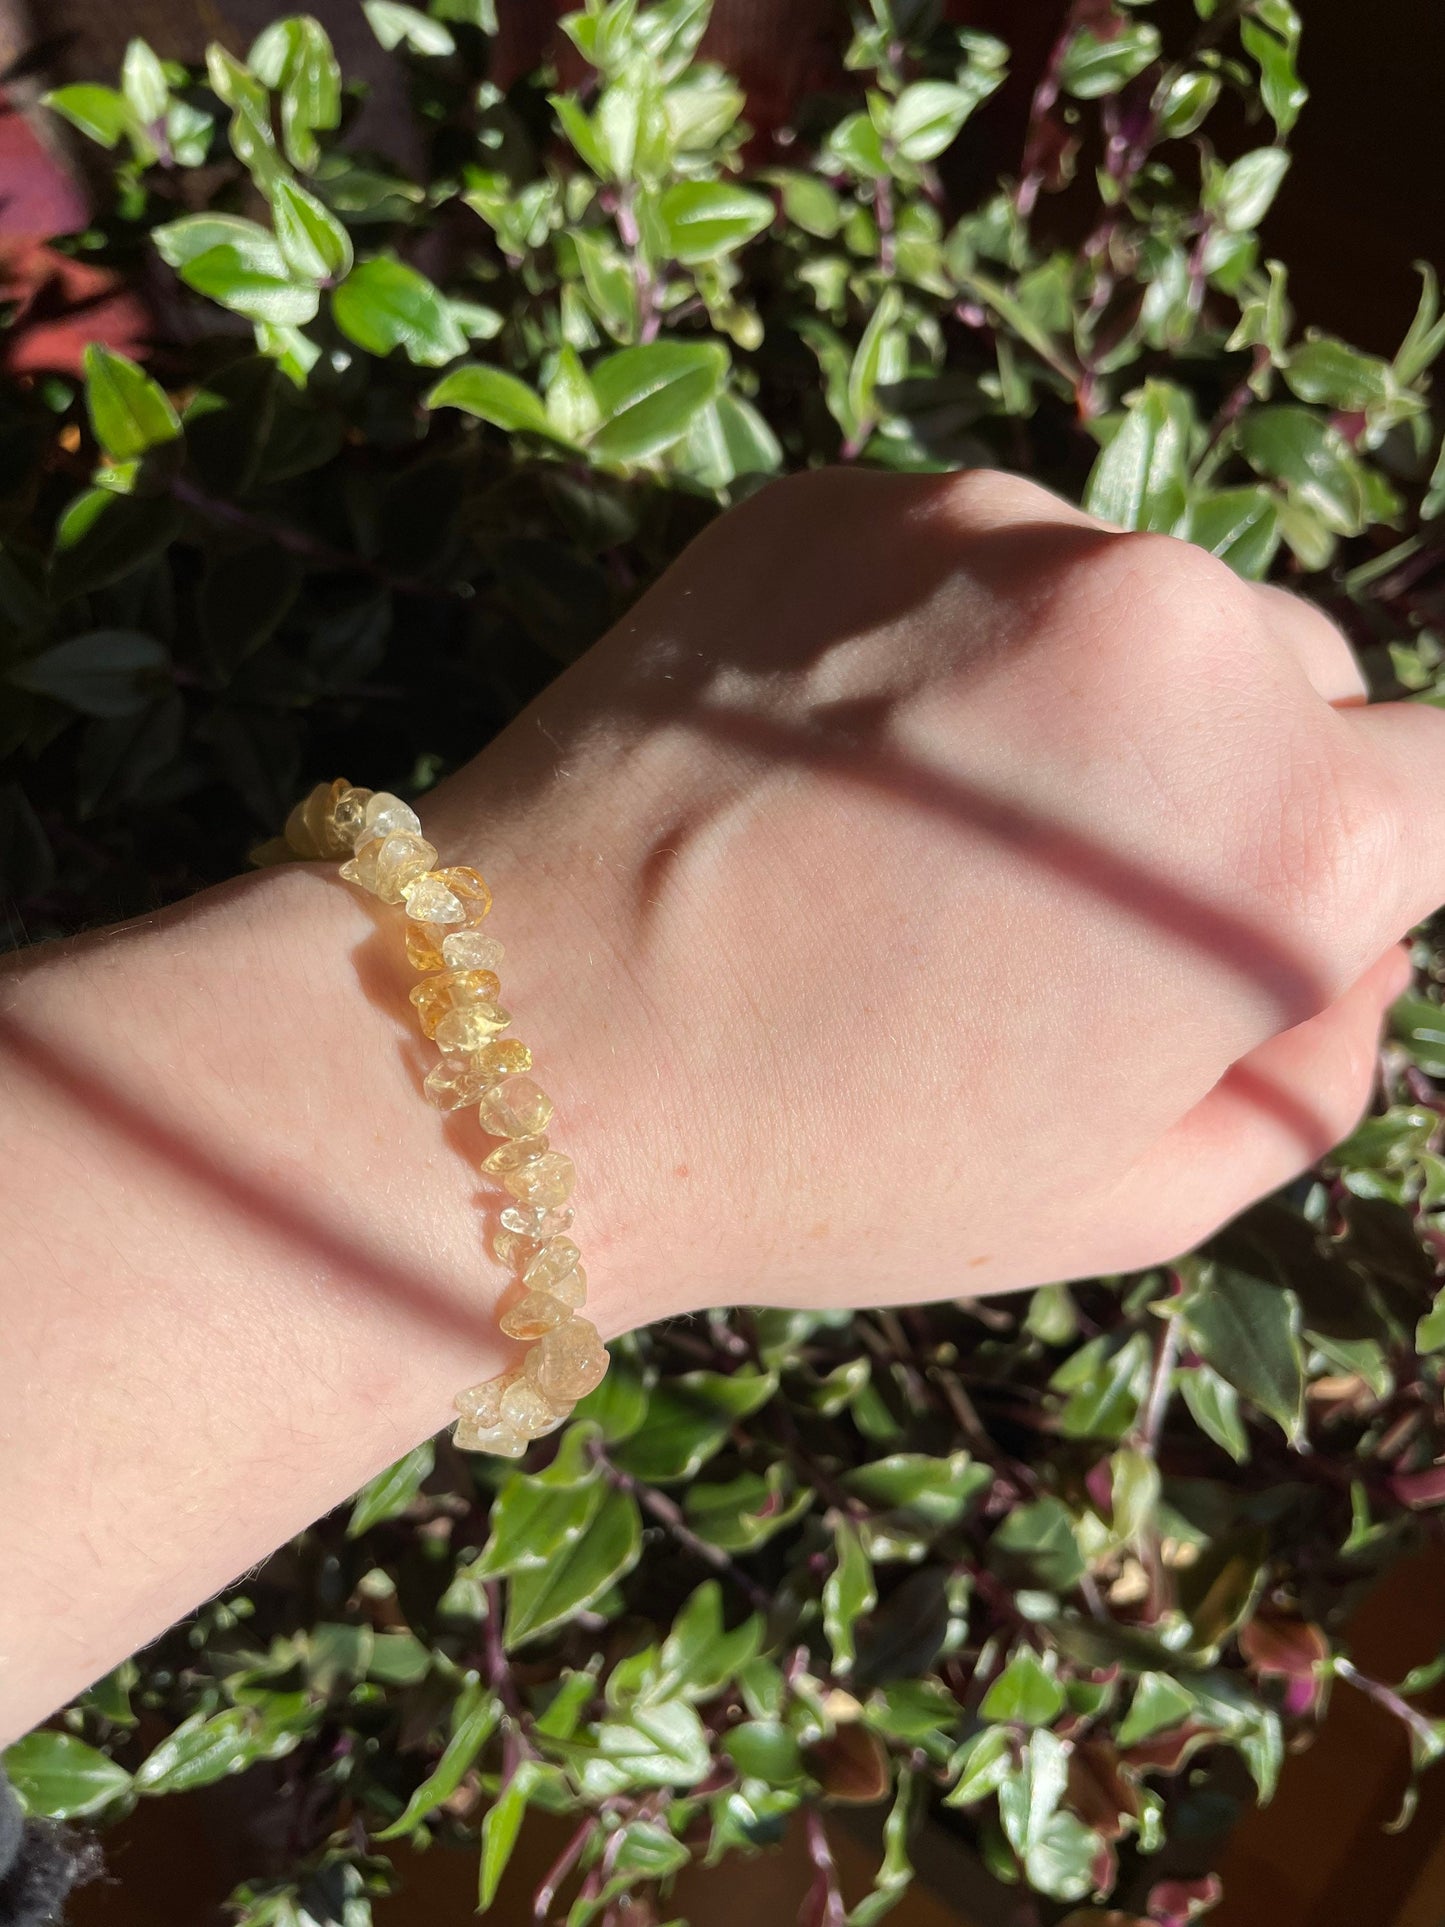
(926, 890)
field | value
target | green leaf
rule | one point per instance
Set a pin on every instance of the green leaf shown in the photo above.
(658, 1745)
(1239, 525)
(1159, 1702)
(688, 1419)
(250, 134)
(203, 1750)
(1184, 102)
(1327, 371)
(856, 144)
(391, 1491)
(128, 411)
(848, 1594)
(1280, 87)
(927, 116)
(474, 1718)
(493, 395)
(698, 1658)
(1035, 1544)
(396, 25)
(702, 220)
(315, 244)
(1026, 1691)
(295, 56)
(610, 283)
(1029, 1798)
(1106, 1381)
(536, 1516)
(500, 1828)
(1214, 1406)
(100, 113)
(398, 1659)
(238, 264)
(1242, 195)
(649, 1852)
(648, 396)
(59, 1777)
(1092, 67)
(980, 1766)
(541, 1597)
(105, 672)
(1248, 1330)
(1141, 478)
(102, 537)
(895, 1870)
(143, 82)
(765, 1750)
(383, 304)
(180, 242)
(937, 1491)
(1061, 1862)
(744, 1513)
(867, 363)
(1430, 1331)
(1314, 461)
(809, 203)
(1134, 1492)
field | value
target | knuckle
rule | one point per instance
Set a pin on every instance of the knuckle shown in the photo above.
(987, 497)
(1180, 585)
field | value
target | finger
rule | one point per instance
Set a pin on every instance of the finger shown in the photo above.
(1273, 1114)
(1321, 650)
(1408, 745)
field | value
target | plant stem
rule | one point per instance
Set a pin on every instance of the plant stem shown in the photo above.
(561, 1867)
(1161, 1384)
(1387, 1697)
(669, 1515)
(823, 1906)
(306, 546)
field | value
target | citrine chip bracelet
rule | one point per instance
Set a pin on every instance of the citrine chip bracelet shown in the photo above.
(456, 1003)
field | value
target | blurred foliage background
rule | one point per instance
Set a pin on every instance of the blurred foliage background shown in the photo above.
(1060, 1574)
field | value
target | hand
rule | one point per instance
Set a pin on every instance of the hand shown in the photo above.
(973, 895)
(926, 890)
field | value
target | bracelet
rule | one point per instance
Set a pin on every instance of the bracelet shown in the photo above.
(456, 1003)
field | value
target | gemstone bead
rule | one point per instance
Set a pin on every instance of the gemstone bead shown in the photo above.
(503, 1057)
(428, 900)
(547, 1181)
(385, 813)
(514, 1153)
(512, 1248)
(526, 1407)
(515, 1108)
(348, 815)
(500, 1440)
(470, 887)
(557, 1257)
(310, 831)
(471, 1028)
(568, 1363)
(384, 866)
(483, 1403)
(468, 950)
(450, 990)
(424, 946)
(571, 1288)
(454, 1082)
(533, 1315)
(538, 1222)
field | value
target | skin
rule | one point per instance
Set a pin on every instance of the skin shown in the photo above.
(926, 890)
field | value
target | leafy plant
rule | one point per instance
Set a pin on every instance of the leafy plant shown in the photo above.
(1009, 1566)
